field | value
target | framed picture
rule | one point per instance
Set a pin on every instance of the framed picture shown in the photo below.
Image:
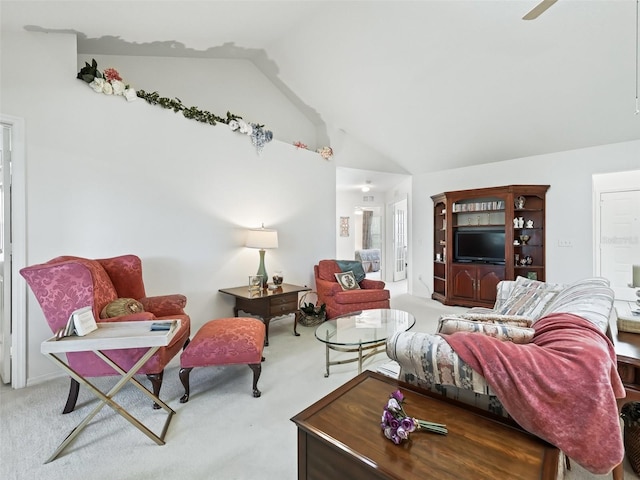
(344, 226)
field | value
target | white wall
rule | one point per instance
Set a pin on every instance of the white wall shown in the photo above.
(105, 177)
(345, 207)
(569, 204)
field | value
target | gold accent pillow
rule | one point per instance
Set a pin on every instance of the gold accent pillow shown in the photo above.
(121, 306)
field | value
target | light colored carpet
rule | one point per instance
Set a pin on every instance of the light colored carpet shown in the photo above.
(221, 433)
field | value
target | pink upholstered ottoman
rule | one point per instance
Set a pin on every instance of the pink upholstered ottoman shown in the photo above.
(225, 341)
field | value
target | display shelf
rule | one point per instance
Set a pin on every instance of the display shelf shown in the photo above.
(515, 210)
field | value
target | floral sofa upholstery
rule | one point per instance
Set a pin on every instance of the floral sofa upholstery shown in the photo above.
(524, 313)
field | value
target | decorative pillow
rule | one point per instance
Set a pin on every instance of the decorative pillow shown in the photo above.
(590, 299)
(503, 332)
(121, 306)
(354, 266)
(490, 317)
(502, 293)
(347, 281)
(529, 298)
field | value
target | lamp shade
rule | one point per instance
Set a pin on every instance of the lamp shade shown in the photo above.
(262, 238)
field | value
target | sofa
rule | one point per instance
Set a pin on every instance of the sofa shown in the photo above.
(540, 356)
(370, 259)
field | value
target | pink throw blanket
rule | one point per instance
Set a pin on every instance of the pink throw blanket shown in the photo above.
(562, 387)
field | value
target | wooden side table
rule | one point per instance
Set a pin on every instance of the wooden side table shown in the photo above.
(268, 304)
(627, 347)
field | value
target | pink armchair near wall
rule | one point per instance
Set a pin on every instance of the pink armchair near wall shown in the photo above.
(371, 294)
(66, 283)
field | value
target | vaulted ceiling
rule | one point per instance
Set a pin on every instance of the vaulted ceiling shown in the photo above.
(406, 87)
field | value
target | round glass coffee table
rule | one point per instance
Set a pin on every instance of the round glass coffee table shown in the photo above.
(365, 330)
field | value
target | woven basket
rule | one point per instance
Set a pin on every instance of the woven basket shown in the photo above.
(305, 319)
(632, 446)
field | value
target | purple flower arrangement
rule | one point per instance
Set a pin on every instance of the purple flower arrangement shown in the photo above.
(397, 425)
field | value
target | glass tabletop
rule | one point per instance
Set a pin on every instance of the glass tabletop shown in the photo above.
(363, 327)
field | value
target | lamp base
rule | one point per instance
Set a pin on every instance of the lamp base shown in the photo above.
(263, 271)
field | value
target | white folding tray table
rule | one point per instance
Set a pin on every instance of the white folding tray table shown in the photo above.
(113, 336)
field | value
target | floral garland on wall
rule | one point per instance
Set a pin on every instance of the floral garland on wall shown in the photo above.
(110, 82)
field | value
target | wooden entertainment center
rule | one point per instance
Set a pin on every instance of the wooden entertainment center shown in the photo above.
(483, 236)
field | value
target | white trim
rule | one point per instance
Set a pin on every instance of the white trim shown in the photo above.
(19, 246)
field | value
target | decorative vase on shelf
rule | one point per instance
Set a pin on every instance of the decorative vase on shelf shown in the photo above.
(519, 202)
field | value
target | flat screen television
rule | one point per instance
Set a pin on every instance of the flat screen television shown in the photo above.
(481, 246)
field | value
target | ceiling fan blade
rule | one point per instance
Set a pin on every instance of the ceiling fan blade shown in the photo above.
(539, 9)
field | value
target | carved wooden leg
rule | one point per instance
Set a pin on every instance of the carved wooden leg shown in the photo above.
(184, 378)
(74, 388)
(618, 472)
(266, 332)
(186, 343)
(257, 370)
(295, 324)
(156, 382)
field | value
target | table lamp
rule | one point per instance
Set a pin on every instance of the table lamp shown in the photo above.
(262, 238)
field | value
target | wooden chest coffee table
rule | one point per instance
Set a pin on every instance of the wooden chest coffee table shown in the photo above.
(340, 437)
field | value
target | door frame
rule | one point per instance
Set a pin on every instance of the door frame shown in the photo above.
(609, 183)
(394, 240)
(18, 300)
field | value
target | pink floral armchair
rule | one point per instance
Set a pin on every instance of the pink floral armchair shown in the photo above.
(65, 284)
(370, 295)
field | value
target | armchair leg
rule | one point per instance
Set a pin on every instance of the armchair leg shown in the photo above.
(72, 398)
(156, 382)
(184, 378)
(257, 370)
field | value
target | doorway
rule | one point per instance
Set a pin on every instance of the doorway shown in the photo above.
(399, 240)
(617, 229)
(5, 254)
(13, 296)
